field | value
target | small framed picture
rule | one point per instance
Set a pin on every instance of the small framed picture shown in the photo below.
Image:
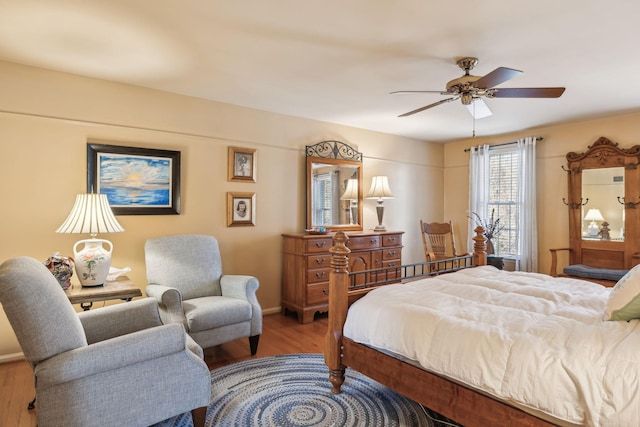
(242, 164)
(241, 209)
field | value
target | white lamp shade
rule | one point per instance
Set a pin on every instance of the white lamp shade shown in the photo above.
(380, 188)
(91, 214)
(351, 192)
(594, 215)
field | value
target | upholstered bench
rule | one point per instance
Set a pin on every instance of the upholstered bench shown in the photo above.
(587, 272)
(604, 276)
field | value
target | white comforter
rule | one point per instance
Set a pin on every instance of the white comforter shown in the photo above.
(523, 337)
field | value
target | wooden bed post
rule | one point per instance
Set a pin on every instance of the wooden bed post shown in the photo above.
(479, 247)
(338, 305)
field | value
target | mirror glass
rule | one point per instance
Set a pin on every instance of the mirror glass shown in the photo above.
(334, 187)
(603, 187)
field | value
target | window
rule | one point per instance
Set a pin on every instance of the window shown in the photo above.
(503, 199)
(503, 180)
(325, 194)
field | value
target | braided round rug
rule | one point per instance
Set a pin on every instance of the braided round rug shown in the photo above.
(294, 391)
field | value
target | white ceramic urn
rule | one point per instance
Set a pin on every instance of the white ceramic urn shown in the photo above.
(92, 261)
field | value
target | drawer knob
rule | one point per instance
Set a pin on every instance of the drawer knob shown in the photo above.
(321, 260)
(391, 253)
(321, 244)
(325, 291)
(320, 275)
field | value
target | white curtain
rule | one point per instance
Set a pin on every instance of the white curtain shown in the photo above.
(478, 187)
(527, 222)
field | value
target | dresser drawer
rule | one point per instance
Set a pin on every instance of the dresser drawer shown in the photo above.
(316, 293)
(318, 275)
(392, 240)
(390, 254)
(321, 244)
(318, 261)
(363, 242)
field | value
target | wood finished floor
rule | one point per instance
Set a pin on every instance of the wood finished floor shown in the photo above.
(280, 335)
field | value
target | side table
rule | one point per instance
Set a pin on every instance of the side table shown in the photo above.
(122, 288)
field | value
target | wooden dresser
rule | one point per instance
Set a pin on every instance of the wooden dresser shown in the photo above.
(306, 266)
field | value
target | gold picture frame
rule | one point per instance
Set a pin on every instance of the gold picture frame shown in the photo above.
(242, 164)
(241, 209)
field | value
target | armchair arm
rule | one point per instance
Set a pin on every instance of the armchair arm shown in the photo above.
(121, 319)
(554, 260)
(111, 354)
(169, 303)
(244, 287)
(238, 286)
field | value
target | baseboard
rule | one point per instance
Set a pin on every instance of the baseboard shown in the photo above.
(13, 357)
(272, 310)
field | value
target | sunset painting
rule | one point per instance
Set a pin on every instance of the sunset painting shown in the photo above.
(130, 180)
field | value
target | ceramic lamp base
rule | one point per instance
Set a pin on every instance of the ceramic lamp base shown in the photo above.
(92, 261)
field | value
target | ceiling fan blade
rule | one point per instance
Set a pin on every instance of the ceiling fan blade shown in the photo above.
(405, 92)
(479, 109)
(435, 104)
(528, 92)
(496, 77)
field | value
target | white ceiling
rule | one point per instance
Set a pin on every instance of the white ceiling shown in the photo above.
(337, 61)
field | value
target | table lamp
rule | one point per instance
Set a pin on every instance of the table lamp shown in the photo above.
(380, 190)
(91, 214)
(351, 194)
(593, 215)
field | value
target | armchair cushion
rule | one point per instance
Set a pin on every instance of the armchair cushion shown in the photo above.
(213, 312)
(170, 261)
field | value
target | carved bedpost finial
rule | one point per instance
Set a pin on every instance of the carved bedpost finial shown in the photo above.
(479, 247)
(338, 290)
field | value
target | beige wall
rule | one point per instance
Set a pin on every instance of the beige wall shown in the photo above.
(551, 179)
(46, 119)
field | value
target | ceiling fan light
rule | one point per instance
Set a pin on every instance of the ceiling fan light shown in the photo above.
(466, 98)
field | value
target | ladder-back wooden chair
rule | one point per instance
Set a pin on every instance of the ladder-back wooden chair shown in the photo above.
(438, 240)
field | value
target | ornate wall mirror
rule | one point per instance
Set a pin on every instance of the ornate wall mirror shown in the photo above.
(604, 187)
(334, 186)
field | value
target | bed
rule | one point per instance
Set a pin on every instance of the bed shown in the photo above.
(548, 358)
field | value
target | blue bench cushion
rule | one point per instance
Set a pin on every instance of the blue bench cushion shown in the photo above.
(580, 270)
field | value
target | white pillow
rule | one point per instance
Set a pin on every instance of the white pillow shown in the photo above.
(624, 300)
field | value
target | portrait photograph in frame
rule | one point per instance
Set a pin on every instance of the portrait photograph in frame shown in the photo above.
(137, 181)
(242, 164)
(241, 209)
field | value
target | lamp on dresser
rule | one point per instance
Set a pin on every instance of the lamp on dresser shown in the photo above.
(351, 194)
(380, 190)
(91, 214)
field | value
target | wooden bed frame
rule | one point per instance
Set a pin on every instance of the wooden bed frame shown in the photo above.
(457, 402)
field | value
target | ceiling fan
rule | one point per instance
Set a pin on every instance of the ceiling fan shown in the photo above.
(470, 89)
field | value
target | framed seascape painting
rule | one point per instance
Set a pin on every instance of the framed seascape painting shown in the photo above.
(137, 181)
(242, 164)
(241, 209)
